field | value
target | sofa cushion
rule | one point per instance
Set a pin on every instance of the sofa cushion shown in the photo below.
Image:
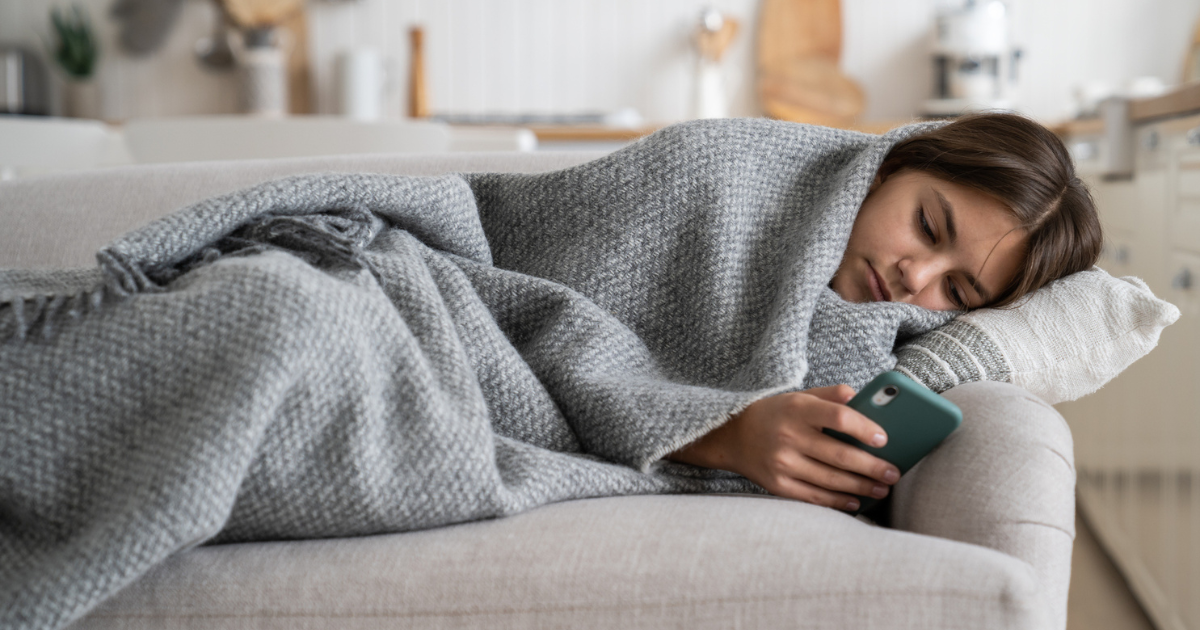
(62, 220)
(625, 562)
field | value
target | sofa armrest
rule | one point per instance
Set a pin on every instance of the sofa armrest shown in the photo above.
(1004, 480)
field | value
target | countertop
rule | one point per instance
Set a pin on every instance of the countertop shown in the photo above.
(572, 133)
(1181, 101)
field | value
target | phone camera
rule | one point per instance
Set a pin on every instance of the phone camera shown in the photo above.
(885, 395)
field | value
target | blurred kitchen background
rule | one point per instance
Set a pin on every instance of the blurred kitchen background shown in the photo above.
(562, 57)
(104, 83)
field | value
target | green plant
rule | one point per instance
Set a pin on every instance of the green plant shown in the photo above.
(76, 49)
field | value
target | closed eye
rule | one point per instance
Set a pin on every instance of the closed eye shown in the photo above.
(924, 224)
(955, 296)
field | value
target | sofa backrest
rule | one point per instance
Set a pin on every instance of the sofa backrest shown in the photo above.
(62, 220)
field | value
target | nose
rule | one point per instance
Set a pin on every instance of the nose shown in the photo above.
(916, 273)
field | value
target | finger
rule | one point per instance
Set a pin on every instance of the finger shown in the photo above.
(831, 478)
(853, 461)
(803, 491)
(840, 394)
(843, 419)
(813, 472)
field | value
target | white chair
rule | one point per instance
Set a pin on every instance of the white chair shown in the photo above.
(32, 145)
(203, 138)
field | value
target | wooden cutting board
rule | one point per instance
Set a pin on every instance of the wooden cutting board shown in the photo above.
(794, 29)
(261, 13)
(799, 54)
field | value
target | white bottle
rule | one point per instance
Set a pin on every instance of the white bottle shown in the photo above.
(709, 98)
(712, 38)
(361, 79)
(263, 64)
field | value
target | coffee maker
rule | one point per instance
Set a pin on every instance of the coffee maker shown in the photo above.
(974, 63)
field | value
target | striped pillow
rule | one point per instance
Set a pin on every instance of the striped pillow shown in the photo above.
(1062, 342)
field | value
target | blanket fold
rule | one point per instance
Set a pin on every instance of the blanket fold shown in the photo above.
(341, 355)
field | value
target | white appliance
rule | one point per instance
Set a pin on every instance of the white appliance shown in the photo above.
(974, 61)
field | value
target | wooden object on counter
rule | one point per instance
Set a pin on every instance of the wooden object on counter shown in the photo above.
(261, 13)
(418, 97)
(713, 44)
(798, 29)
(813, 91)
(799, 58)
(298, 68)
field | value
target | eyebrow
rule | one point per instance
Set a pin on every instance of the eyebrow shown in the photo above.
(952, 233)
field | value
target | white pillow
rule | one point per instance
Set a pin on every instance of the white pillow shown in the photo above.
(1063, 342)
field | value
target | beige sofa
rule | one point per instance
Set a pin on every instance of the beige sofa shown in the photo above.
(980, 534)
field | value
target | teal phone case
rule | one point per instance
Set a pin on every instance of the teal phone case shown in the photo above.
(916, 419)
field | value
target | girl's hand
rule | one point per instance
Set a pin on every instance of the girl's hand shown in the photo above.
(777, 443)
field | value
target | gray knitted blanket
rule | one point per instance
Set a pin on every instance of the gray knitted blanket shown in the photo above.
(344, 355)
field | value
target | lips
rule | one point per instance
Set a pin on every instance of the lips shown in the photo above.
(879, 290)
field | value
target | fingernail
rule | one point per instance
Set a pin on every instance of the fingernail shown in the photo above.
(879, 491)
(878, 439)
(891, 476)
(852, 505)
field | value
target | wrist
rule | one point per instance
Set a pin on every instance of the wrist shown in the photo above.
(707, 451)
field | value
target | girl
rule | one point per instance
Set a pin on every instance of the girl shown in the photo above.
(977, 213)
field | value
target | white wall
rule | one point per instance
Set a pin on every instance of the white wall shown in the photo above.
(540, 55)
(573, 55)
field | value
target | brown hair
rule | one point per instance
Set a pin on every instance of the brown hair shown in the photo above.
(1026, 167)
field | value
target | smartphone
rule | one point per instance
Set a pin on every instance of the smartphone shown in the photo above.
(915, 418)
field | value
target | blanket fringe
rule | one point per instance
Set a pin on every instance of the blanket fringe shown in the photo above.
(321, 240)
(23, 317)
(124, 277)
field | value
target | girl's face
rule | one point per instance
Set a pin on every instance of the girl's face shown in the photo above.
(925, 241)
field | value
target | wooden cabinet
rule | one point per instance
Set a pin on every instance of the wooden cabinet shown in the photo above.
(1138, 439)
